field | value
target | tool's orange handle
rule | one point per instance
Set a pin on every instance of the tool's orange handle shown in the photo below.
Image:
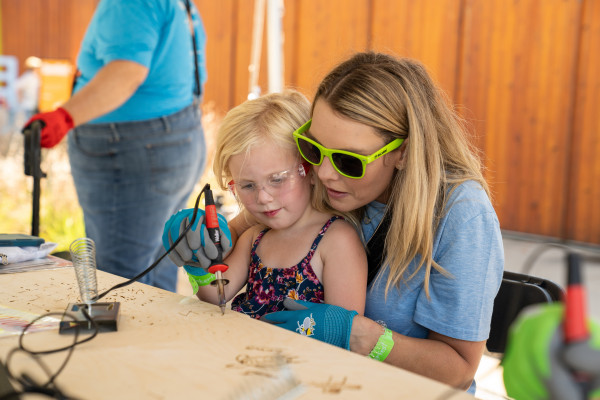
(212, 225)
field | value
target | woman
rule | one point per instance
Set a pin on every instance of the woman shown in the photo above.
(433, 239)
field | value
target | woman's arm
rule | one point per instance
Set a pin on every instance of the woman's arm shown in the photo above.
(344, 267)
(237, 274)
(439, 357)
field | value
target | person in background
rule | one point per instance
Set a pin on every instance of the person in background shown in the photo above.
(27, 87)
(297, 250)
(136, 144)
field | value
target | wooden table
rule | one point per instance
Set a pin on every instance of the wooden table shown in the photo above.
(169, 346)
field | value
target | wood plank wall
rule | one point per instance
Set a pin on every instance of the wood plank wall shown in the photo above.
(522, 72)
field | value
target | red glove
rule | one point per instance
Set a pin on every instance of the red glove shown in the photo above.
(55, 124)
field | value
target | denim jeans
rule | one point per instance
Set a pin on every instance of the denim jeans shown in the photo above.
(130, 177)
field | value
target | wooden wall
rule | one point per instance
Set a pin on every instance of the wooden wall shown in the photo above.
(524, 73)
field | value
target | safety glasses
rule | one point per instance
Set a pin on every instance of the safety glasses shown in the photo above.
(274, 184)
(348, 164)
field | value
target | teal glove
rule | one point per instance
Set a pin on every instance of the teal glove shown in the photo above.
(324, 322)
(537, 364)
(196, 250)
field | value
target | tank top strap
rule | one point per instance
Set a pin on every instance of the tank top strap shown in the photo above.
(257, 240)
(320, 236)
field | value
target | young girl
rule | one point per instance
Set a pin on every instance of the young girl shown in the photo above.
(298, 249)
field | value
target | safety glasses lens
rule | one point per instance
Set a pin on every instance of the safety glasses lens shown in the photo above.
(348, 165)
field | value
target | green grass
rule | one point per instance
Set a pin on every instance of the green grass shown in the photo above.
(61, 218)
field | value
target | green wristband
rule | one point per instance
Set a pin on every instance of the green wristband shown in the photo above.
(197, 281)
(384, 346)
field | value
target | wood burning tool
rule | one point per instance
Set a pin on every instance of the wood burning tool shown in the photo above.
(575, 317)
(217, 265)
(553, 350)
(575, 305)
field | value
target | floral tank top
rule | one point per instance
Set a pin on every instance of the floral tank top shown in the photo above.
(267, 287)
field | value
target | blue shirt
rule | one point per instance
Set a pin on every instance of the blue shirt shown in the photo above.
(155, 34)
(468, 245)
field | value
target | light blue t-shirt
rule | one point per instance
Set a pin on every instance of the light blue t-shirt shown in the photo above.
(468, 245)
(155, 34)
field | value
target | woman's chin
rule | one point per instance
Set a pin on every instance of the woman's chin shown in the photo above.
(341, 201)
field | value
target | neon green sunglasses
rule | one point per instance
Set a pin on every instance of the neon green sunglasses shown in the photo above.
(348, 164)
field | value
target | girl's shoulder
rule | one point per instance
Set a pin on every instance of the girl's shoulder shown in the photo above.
(250, 234)
(339, 232)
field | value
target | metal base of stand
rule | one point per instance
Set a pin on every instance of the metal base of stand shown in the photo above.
(106, 316)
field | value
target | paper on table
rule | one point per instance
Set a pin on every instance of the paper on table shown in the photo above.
(12, 321)
(15, 254)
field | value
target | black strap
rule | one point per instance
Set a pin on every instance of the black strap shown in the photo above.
(376, 247)
(188, 7)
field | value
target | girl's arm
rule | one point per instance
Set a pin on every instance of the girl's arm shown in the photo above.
(344, 267)
(451, 361)
(238, 261)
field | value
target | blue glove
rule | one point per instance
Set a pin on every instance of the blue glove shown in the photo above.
(196, 250)
(324, 322)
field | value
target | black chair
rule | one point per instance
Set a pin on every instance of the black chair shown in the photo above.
(517, 291)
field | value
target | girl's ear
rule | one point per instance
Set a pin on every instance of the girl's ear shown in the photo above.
(303, 168)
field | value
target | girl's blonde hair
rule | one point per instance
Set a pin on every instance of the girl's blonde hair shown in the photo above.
(398, 99)
(273, 117)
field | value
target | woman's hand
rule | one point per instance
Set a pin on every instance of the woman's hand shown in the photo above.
(324, 322)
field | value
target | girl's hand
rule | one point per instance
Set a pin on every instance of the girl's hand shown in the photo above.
(195, 249)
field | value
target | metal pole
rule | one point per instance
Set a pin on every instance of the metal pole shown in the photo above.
(256, 50)
(275, 44)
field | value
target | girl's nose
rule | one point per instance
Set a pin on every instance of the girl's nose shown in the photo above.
(263, 196)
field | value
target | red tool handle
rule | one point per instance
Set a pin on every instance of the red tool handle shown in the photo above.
(575, 327)
(212, 225)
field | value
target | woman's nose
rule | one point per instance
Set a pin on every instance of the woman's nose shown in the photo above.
(325, 171)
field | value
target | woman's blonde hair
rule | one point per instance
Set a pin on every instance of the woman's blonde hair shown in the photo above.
(273, 117)
(398, 98)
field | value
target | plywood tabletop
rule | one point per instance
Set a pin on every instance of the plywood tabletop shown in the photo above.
(169, 346)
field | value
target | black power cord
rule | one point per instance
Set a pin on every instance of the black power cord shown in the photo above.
(49, 388)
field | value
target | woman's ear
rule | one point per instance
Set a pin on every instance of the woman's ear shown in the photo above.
(401, 161)
(398, 157)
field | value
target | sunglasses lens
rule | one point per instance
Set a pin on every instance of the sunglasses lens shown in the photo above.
(309, 151)
(348, 165)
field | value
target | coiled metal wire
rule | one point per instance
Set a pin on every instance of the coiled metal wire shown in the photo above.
(83, 255)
